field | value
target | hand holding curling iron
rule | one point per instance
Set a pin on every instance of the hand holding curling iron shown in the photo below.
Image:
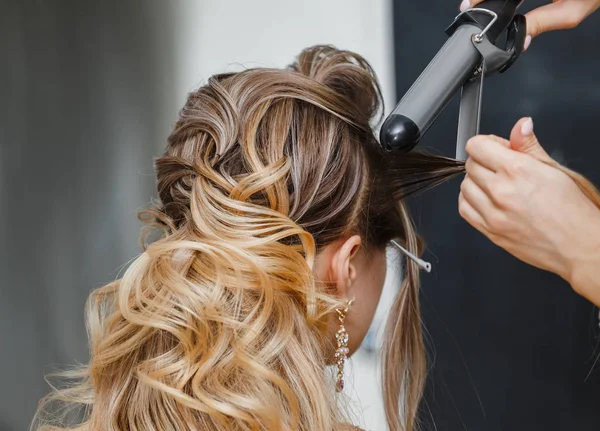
(540, 212)
(558, 15)
(522, 200)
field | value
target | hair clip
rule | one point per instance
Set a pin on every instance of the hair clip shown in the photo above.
(423, 264)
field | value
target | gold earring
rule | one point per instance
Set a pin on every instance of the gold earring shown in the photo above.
(341, 354)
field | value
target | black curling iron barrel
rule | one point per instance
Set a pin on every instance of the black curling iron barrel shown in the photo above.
(463, 58)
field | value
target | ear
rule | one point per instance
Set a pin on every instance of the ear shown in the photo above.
(342, 270)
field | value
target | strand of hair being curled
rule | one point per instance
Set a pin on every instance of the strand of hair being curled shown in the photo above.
(220, 324)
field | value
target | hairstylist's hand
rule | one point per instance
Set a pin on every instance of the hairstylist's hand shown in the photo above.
(559, 15)
(518, 197)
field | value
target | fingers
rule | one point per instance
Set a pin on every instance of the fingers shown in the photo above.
(476, 197)
(490, 151)
(560, 15)
(478, 209)
(481, 175)
(470, 214)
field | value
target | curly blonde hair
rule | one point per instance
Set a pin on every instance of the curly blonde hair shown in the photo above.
(219, 324)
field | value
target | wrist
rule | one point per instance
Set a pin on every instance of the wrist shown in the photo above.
(585, 280)
(584, 267)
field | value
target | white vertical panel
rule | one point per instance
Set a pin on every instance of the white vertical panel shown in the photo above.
(218, 35)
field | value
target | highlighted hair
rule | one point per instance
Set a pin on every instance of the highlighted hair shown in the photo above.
(219, 324)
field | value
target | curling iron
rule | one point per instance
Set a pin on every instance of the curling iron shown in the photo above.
(468, 57)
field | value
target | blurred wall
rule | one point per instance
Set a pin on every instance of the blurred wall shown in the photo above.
(86, 99)
(217, 35)
(88, 91)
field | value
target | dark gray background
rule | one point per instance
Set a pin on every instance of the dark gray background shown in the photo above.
(513, 348)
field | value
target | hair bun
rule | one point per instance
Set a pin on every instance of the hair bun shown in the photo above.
(345, 72)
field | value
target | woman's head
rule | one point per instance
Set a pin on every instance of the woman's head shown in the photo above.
(291, 145)
(277, 204)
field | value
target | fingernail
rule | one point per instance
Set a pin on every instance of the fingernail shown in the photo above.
(527, 127)
(466, 4)
(527, 43)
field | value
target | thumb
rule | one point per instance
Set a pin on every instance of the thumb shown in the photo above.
(523, 140)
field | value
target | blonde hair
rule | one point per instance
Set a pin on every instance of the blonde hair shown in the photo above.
(219, 324)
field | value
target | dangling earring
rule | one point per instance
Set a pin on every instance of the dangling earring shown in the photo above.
(341, 354)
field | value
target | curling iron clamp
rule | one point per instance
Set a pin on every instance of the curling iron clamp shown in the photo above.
(469, 56)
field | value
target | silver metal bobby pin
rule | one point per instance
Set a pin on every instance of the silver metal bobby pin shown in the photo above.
(423, 264)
